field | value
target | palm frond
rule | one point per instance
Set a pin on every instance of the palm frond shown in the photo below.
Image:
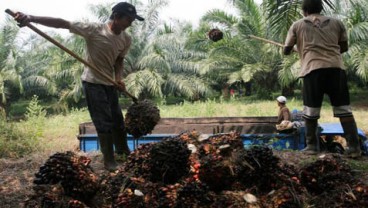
(290, 69)
(220, 17)
(187, 86)
(148, 80)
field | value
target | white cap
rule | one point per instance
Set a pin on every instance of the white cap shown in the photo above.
(281, 99)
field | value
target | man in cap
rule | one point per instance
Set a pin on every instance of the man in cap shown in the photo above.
(284, 124)
(284, 112)
(320, 41)
(106, 45)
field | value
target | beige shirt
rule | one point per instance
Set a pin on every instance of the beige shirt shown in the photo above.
(284, 114)
(103, 48)
(317, 38)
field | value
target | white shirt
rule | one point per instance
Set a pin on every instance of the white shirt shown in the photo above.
(103, 48)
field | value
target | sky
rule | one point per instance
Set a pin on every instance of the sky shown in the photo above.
(190, 10)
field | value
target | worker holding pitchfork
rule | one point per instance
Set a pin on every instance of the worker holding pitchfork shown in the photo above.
(106, 46)
(320, 42)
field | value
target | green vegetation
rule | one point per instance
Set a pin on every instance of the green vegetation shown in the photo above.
(18, 139)
(175, 65)
(178, 60)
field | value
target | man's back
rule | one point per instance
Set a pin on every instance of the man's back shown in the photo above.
(317, 38)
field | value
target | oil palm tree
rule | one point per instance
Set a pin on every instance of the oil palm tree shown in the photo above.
(356, 21)
(166, 67)
(237, 58)
(50, 72)
(9, 69)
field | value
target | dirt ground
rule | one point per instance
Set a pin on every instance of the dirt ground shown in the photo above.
(16, 175)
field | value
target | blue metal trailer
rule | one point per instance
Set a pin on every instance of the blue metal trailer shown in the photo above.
(253, 131)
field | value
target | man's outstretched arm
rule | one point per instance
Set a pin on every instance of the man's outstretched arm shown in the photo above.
(24, 19)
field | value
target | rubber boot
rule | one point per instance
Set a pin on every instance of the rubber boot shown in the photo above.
(311, 137)
(107, 149)
(121, 144)
(352, 138)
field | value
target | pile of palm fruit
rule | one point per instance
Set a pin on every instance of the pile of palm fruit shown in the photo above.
(193, 170)
(65, 174)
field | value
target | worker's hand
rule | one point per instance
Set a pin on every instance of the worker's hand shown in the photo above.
(121, 86)
(22, 19)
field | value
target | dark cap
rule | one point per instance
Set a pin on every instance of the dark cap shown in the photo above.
(128, 9)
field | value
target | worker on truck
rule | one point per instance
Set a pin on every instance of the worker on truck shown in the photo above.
(106, 45)
(320, 40)
(284, 123)
(284, 112)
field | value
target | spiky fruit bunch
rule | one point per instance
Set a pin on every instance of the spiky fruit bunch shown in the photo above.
(73, 172)
(169, 161)
(141, 118)
(215, 35)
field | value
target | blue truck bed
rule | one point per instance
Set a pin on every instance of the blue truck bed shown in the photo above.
(88, 140)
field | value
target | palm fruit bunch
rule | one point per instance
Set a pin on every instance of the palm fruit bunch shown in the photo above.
(142, 193)
(332, 183)
(193, 194)
(216, 167)
(283, 197)
(221, 144)
(141, 118)
(112, 184)
(216, 171)
(256, 167)
(169, 161)
(215, 34)
(137, 163)
(236, 199)
(328, 173)
(72, 172)
(357, 196)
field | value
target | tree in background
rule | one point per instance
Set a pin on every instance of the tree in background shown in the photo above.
(237, 59)
(179, 60)
(9, 67)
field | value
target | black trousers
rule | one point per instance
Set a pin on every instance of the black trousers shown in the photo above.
(103, 106)
(330, 81)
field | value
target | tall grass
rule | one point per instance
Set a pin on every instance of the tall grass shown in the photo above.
(21, 138)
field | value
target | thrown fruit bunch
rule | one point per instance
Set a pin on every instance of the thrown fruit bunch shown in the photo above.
(141, 118)
(215, 35)
(190, 170)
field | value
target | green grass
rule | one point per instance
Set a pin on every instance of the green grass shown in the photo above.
(213, 108)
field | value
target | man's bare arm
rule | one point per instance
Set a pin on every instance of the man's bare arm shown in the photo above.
(23, 19)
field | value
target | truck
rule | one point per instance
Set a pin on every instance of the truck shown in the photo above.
(252, 131)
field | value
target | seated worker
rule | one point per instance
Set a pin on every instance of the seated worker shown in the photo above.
(284, 112)
(284, 115)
